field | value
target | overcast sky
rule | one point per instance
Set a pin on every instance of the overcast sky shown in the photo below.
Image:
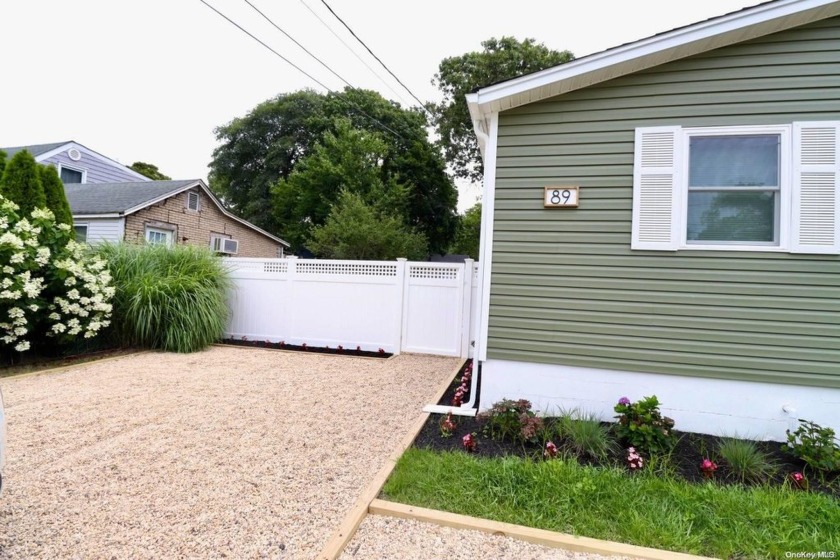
(148, 80)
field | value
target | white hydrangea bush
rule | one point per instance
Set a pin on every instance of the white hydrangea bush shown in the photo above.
(48, 284)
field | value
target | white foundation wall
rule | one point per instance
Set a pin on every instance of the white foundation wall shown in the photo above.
(761, 411)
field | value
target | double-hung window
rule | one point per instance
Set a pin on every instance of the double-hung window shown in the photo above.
(157, 236)
(747, 188)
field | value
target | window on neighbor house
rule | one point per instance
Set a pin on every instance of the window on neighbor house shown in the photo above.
(159, 236)
(81, 232)
(192, 201)
(747, 188)
(69, 175)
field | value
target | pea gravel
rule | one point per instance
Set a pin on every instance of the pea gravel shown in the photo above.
(226, 453)
(381, 537)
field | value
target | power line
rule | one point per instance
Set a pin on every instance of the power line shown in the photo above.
(295, 66)
(343, 42)
(321, 62)
(356, 107)
(373, 55)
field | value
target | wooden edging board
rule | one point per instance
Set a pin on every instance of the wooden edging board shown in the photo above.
(357, 513)
(72, 366)
(529, 534)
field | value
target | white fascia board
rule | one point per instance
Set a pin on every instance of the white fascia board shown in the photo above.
(162, 197)
(485, 251)
(92, 216)
(706, 35)
(91, 153)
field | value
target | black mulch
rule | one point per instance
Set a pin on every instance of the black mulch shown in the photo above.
(686, 457)
(345, 351)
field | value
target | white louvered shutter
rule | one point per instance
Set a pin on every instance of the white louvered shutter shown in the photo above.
(656, 189)
(816, 188)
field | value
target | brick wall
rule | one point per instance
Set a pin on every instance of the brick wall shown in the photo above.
(195, 228)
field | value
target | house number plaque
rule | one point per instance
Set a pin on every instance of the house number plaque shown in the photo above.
(561, 197)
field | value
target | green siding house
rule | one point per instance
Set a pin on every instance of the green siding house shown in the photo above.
(701, 262)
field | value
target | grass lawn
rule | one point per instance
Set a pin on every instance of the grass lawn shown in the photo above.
(649, 508)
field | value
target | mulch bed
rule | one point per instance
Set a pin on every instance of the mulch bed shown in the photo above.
(348, 351)
(685, 457)
(34, 362)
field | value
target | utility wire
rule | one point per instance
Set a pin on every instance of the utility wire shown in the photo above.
(295, 66)
(356, 107)
(321, 62)
(373, 55)
(343, 42)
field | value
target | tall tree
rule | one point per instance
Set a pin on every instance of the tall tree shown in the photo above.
(2, 162)
(349, 160)
(468, 235)
(500, 60)
(149, 170)
(55, 195)
(21, 183)
(267, 144)
(355, 229)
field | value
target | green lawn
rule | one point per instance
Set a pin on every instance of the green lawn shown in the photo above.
(649, 508)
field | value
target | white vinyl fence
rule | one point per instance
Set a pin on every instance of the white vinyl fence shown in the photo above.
(398, 306)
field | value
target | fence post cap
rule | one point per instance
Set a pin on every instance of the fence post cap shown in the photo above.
(402, 259)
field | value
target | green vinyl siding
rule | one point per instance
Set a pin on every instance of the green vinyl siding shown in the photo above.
(567, 289)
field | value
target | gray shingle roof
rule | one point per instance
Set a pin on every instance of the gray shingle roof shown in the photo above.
(112, 198)
(36, 150)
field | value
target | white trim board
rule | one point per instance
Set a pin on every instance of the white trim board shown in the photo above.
(728, 29)
(719, 407)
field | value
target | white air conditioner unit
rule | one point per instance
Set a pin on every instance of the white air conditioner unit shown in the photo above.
(228, 246)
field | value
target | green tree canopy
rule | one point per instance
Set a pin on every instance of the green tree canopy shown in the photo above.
(265, 146)
(149, 170)
(468, 235)
(355, 229)
(2, 162)
(55, 195)
(21, 183)
(348, 160)
(500, 60)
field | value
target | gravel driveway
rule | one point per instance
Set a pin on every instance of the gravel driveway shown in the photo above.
(227, 453)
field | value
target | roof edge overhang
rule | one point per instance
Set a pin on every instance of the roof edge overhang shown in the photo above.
(746, 24)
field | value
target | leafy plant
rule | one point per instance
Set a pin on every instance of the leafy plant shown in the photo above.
(470, 442)
(172, 298)
(815, 445)
(642, 425)
(447, 426)
(585, 436)
(745, 460)
(513, 420)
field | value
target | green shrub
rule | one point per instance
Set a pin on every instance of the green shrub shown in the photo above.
(643, 426)
(745, 460)
(585, 436)
(512, 420)
(815, 445)
(172, 298)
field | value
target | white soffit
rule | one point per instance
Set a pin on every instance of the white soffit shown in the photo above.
(746, 24)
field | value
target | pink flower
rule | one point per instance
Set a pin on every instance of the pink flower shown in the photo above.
(634, 460)
(550, 450)
(799, 480)
(708, 467)
(470, 443)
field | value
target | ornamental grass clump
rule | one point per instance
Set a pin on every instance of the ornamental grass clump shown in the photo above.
(52, 291)
(171, 298)
(583, 435)
(746, 461)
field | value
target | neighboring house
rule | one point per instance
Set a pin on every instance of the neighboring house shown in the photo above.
(701, 264)
(78, 164)
(166, 212)
(111, 202)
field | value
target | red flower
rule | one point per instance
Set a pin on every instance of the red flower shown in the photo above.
(550, 450)
(381, 351)
(470, 443)
(708, 467)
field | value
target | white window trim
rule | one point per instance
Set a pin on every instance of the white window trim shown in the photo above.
(71, 168)
(169, 233)
(785, 188)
